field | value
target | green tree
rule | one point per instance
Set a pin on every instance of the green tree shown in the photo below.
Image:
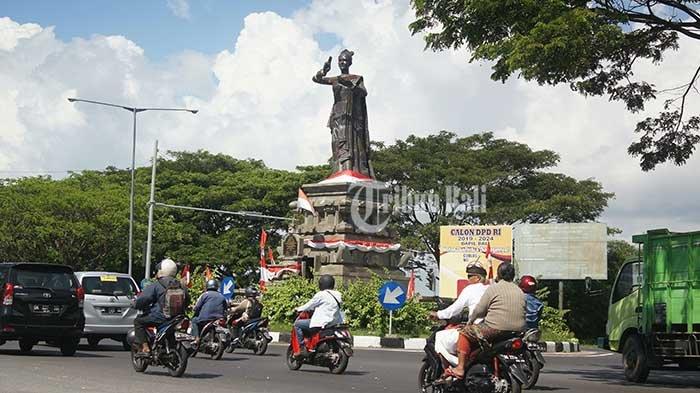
(590, 45)
(519, 185)
(82, 220)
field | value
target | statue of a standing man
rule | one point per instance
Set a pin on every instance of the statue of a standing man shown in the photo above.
(348, 119)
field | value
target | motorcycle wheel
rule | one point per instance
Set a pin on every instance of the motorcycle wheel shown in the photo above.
(140, 364)
(532, 371)
(292, 362)
(218, 345)
(425, 379)
(515, 386)
(342, 362)
(181, 362)
(231, 346)
(260, 345)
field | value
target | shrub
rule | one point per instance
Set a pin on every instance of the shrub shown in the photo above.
(281, 298)
(362, 309)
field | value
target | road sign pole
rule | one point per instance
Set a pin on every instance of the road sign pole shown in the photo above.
(391, 316)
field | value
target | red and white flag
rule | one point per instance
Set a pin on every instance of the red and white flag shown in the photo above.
(411, 290)
(304, 203)
(265, 274)
(185, 276)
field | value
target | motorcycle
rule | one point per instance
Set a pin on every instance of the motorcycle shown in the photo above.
(499, 369)
(214, 339)
(329, 347)
(534, 361)
(169, 347)
(252, 335)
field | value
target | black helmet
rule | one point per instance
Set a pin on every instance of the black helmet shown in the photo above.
(251, 292)
(213, 285)
(326, 282)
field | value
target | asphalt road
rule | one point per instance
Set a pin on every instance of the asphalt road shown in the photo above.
(108, 369)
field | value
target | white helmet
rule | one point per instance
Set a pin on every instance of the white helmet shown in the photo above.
(167, 268)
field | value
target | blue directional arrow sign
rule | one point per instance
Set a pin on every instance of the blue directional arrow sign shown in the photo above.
(227, 287)
(392, 296)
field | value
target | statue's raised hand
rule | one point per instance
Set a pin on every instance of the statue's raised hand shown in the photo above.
(327, 65)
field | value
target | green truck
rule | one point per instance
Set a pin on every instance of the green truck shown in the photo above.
(654, 312)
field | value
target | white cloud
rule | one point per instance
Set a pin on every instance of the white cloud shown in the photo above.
(179, 8)
(256, 99)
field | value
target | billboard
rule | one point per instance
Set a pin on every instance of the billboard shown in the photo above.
(561, 251)
(460, 246)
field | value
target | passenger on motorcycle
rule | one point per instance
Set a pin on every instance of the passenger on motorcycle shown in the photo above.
(249, 308)
(534, 306)
(210, 306)
(326, 307)
(153, 302)
(446, 340)
(503, 308)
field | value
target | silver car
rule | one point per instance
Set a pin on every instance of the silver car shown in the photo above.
(108, 312)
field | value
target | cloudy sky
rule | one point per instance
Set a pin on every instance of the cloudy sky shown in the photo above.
(247, 67)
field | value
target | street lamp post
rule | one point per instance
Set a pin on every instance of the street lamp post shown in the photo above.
(133, 110)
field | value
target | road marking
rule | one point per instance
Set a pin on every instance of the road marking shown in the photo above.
(583, 354)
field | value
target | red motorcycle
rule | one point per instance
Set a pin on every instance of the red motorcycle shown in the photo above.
(328, 347)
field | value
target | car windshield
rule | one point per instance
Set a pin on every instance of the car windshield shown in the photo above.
(109, 285)
(44, 277)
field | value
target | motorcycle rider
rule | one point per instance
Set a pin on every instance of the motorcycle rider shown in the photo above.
(503, 308)
(210, 306)
(152, 301)
(528, 285)
(446, 340)
(326, 307)
(249, 308)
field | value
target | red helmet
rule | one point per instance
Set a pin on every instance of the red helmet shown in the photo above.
(528, 284)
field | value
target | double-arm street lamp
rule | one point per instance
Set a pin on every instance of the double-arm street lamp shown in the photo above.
(133, 110)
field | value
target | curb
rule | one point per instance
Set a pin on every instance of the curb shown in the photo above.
(419, 343)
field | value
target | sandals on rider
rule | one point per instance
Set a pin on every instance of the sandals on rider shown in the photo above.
(449, 376)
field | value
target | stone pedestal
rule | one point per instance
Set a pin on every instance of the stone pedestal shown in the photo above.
(348, 237)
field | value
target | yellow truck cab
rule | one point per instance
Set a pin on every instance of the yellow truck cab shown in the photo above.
(654, 311)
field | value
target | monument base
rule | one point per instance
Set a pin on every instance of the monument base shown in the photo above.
(348, 237)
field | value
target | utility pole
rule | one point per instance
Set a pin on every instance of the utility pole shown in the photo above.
(133, 110)
(151, 206)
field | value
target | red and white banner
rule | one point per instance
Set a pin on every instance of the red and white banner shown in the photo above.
(304, 203)
(365, 246)
(346, 176)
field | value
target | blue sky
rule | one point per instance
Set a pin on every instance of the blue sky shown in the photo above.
(212, 25)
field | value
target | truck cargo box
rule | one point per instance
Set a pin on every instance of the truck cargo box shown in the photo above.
(670, 298)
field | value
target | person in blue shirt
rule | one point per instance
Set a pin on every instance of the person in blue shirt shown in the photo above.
(533, 305)
(210, 306)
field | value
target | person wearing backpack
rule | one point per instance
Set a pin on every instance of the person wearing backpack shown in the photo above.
(326, 305)
(159, 302)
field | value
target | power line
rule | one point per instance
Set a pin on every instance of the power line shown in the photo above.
(240, 213)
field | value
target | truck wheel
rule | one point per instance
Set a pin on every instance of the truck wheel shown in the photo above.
(634, 360)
